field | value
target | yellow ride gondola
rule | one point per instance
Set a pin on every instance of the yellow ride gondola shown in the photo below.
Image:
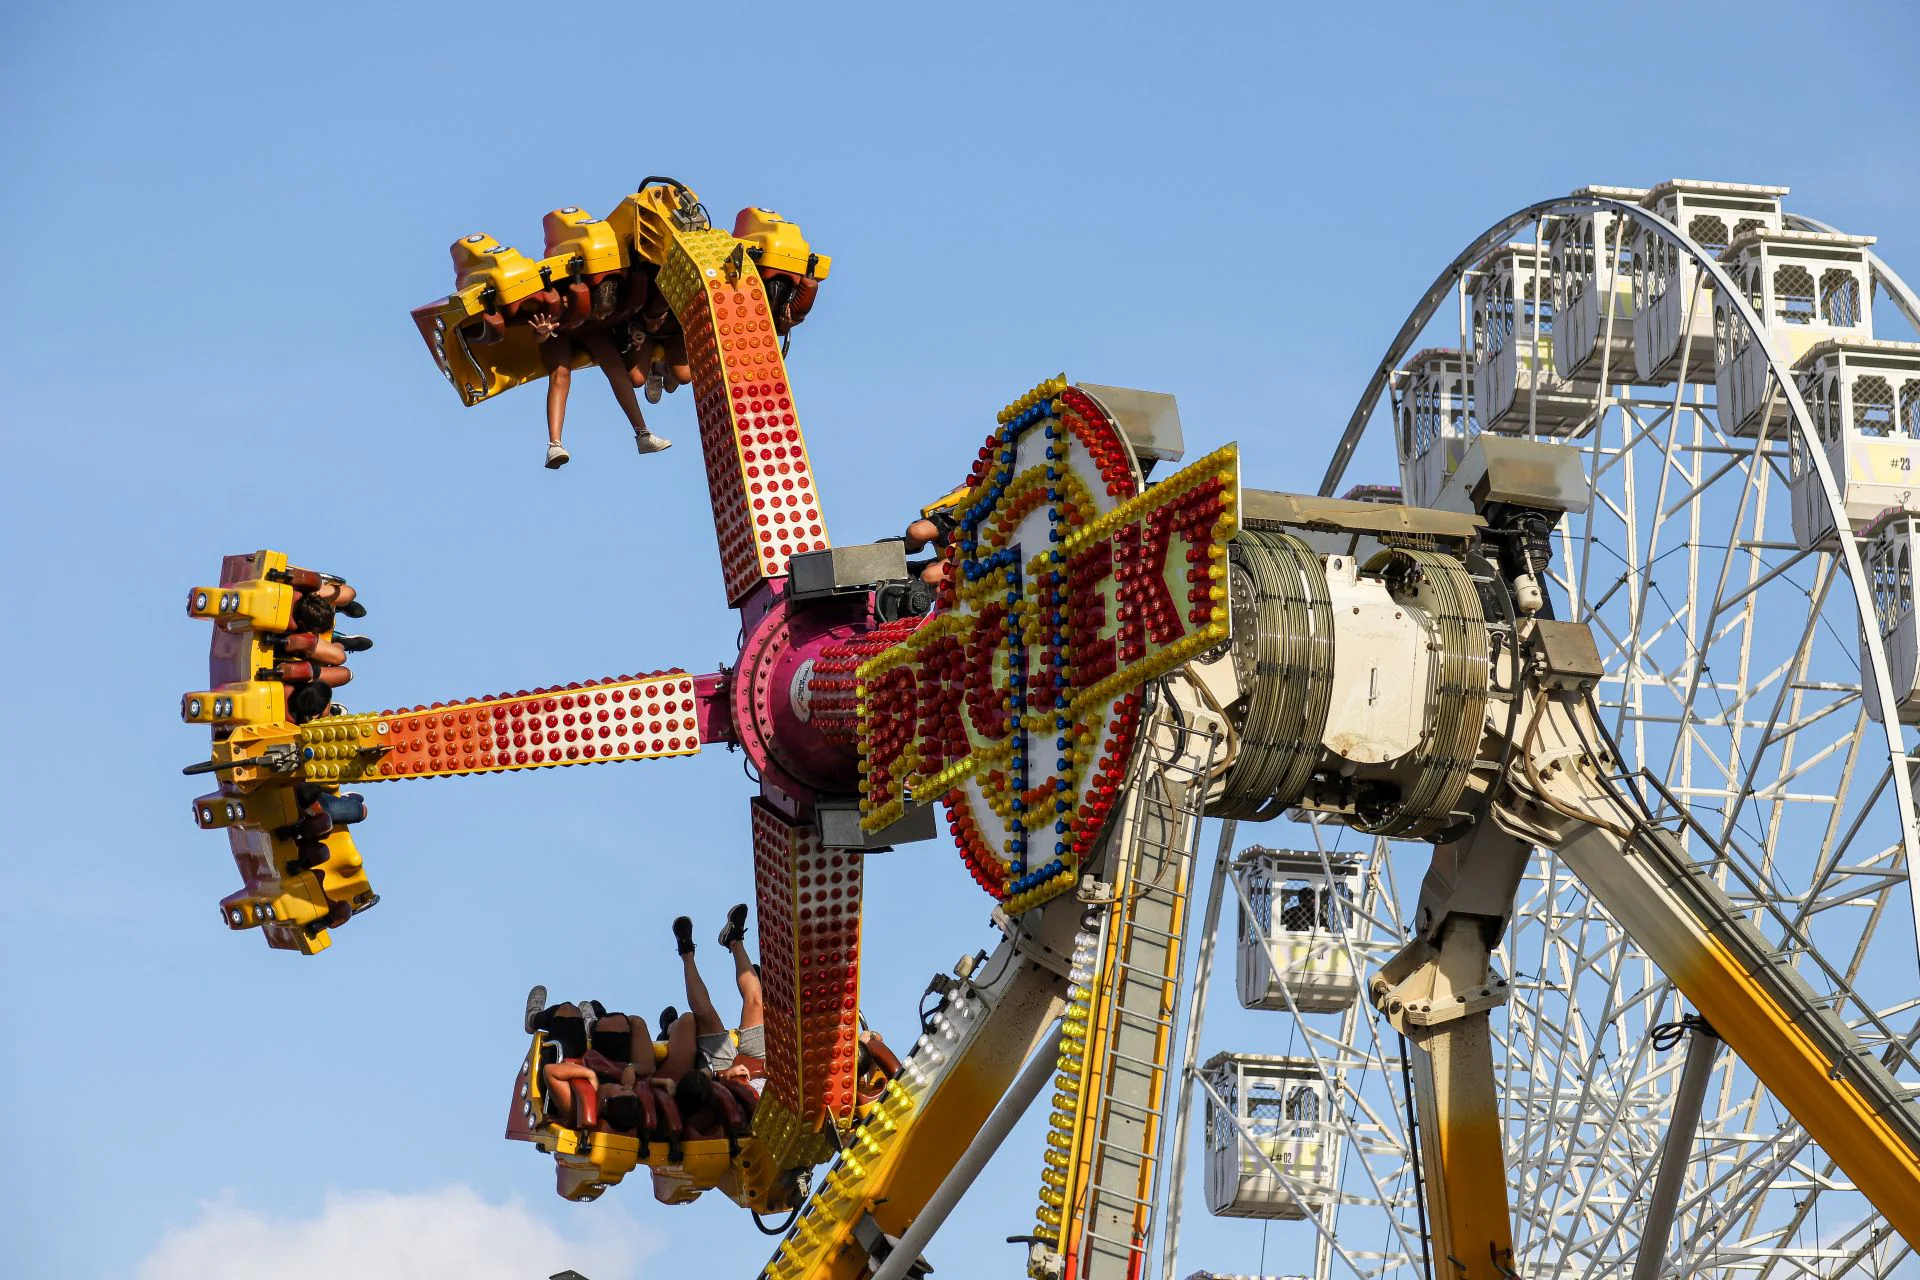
(593, 1151)
(599, 271)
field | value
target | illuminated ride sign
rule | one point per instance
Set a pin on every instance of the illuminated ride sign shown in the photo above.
(1018, 700)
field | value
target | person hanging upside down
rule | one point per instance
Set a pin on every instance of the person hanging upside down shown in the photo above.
(557, 351)
(608, 1054)
(737, 1053)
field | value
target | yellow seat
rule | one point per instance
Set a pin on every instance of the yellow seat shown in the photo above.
(468, 331)
(778, 244)
(498, 275)
(585, 245)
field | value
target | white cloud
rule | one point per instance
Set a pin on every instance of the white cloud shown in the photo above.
(449, 1234)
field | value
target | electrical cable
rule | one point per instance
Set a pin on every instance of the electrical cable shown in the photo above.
(780, 1230)
(1413, 1142)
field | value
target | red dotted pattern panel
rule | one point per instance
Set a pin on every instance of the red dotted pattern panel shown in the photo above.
(765, 507)
(809, 913)
(621, 718)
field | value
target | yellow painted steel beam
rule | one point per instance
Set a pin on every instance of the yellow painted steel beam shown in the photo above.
(1808, 1058)
(1440, 995)
(1461, 1152)
(898, 1156)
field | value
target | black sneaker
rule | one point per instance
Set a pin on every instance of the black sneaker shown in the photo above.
(735, 929)
(668, 1016)
(536, 1001)
(683, 934)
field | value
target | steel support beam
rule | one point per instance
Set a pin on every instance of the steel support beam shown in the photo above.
(913, 1242)
(1702, 1048)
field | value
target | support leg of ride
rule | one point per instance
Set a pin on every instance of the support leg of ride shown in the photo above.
(1038, 1073)
(1440, 998)
(1703, 1046)
(1027, 998)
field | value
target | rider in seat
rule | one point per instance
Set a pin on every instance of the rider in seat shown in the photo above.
(738, 1053)
(602, 1051)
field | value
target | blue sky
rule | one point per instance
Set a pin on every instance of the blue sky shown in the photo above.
(218, 217)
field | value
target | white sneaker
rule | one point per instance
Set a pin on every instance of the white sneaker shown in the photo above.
(557, 456)
(647, 442)
(655, 387)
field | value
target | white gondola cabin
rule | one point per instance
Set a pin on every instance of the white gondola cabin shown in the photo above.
(1889, 546)
(1283, 1108)
(1433, 420)
(1298, 944)
(1672, 309)
(1589, 253)
(1516, 387)
(1864, 398)
(1807, 288)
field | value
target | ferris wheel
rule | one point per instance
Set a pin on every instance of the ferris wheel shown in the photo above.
(1715, 374)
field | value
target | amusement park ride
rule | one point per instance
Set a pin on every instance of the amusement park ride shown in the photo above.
(1631, 662)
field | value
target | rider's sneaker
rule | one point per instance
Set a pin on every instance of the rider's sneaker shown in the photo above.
(536, 1001)
(655, 387)
(683, 934)
(557, 456)
(735, 928)
(668, 1016)
(647, 442)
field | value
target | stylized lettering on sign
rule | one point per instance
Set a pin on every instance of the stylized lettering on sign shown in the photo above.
(1070, 590)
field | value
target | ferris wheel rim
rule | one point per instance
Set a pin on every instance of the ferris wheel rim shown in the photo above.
(1799, 421)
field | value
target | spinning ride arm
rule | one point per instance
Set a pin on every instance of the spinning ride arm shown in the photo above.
(765, 505)
(657, 264)
(281, 762)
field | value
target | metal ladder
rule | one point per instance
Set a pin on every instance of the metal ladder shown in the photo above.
(1138, 994)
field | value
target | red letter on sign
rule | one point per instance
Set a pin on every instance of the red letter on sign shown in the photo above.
(1146, 586)
(940, 731)
(890, 709)
(988, 714)
(1092, 652)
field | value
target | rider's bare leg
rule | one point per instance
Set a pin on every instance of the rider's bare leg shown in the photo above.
(683, 1049)
(556, 354)
(605, 354)
(752, 1006)
(560, 1078)
(704, 1017)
